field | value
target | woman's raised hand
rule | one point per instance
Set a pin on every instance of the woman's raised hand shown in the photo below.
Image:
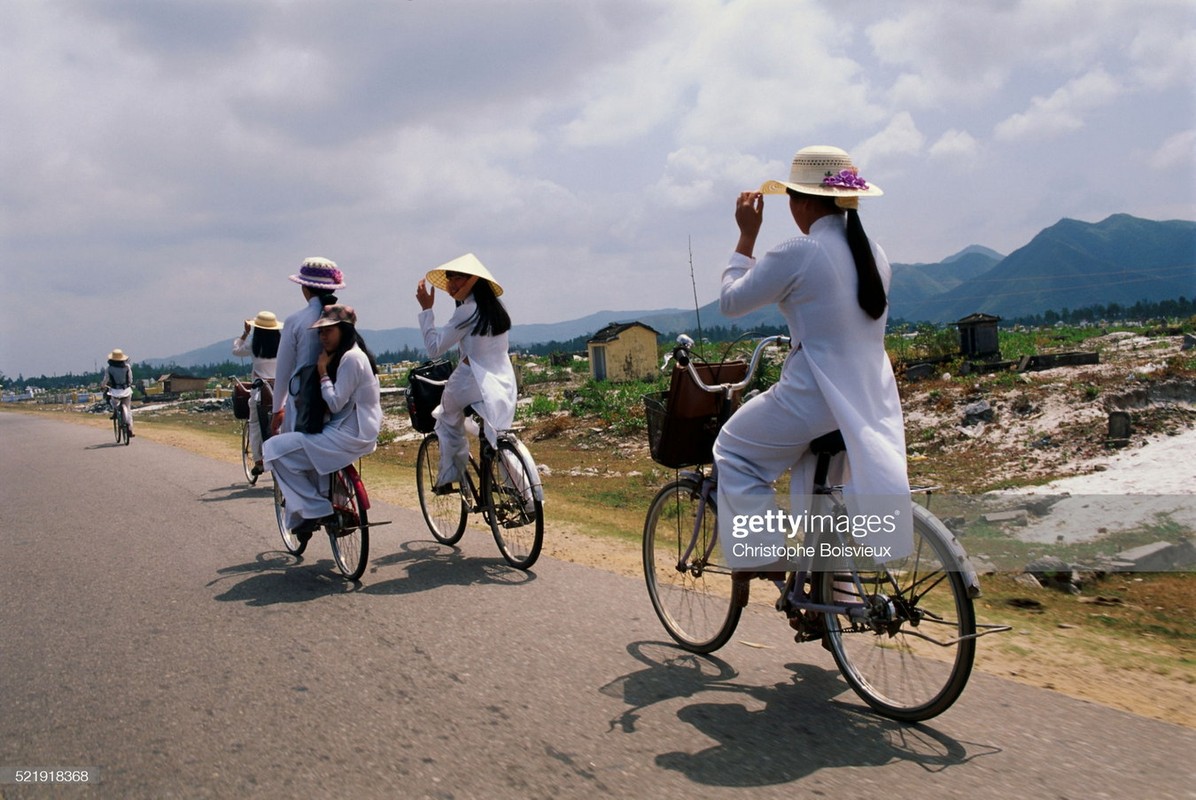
(749, 215)
(425, 294)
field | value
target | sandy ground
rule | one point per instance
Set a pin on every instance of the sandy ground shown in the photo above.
(1126, 491)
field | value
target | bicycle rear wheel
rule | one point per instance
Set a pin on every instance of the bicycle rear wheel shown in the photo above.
(888, 660)
(293, 544)
(246, 458)
(444, 513)
(688, 578)
(349, 533)
(516, 517)
(125, 433)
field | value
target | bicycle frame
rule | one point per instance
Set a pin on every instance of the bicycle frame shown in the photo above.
(796, 597)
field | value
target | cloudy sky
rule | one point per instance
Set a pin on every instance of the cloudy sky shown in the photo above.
(167, 163)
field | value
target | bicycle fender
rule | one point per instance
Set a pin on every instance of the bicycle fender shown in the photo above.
(962, 564)
(358, 486)
(526, 456)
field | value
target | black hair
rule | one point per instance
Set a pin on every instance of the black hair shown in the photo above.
(112, 362)
(491, 317)
(349, 337)
(870, 293)
(265, 342)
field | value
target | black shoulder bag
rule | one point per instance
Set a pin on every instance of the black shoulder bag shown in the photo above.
(307, 403)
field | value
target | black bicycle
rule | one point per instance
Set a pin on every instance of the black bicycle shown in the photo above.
(120, 426)
(502, 484)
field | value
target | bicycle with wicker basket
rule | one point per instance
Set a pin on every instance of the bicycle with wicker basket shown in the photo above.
(502, 483)
(903, 633)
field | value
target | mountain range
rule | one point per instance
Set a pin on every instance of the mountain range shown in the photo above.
(1071, 264)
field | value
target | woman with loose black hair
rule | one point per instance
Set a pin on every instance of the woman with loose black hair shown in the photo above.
(349, 387)
(830, 283)
(347, 339)
(260, 340)
(485, 378)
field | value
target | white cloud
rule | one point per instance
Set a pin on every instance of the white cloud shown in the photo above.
(1178, 155)
(900, 138)
(698, 176)
(149, 148)
(955, 145)
(1062, 112)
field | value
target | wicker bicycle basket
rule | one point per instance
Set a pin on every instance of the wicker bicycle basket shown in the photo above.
(683, 422)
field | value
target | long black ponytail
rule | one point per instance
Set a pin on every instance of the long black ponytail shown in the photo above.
(871, 291)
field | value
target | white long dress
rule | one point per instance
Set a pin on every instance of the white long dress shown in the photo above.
(484, 379)
(300, 460)
(264, 369)
(839, 378)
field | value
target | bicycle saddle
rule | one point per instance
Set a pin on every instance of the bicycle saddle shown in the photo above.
(828, 444)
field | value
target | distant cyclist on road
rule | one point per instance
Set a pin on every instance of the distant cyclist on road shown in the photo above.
(117, 378)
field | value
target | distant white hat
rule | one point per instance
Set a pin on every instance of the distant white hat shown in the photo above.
(826, 171)
(266, 320)
(319, 273)
(117, 355)
(467, 264)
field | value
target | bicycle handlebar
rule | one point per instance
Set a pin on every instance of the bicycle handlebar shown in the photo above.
(682, 353)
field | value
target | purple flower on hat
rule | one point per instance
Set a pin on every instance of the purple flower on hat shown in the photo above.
(845, 179)
(320, 273)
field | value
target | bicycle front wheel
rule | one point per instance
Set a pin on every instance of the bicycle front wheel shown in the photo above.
(516, 517)
(688, 578)
(444, 513)
(116, 426)
(349, 533)
(246, 458)
(911, 659)
(293, 544)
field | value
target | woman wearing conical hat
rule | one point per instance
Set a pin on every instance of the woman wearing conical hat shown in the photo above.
(485, 378)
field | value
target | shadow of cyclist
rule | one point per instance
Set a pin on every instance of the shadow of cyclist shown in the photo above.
(237, 491)
(429, 565)
(279, 577)
(772, 734)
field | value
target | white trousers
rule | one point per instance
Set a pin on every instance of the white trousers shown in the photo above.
(763, 439)
(462, 390)
(124, 407)
(305, 489)
(255, 425)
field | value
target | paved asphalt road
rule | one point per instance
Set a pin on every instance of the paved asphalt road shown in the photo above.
(152, 628)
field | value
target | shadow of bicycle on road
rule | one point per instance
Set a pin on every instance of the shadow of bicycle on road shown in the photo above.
(237, 491)
(775, 734)
(429, 565)
(277, 577)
